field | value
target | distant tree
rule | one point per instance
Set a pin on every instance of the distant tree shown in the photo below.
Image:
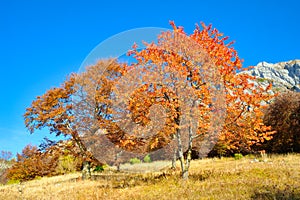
(5, 155)
(5, 163)
(283, 114)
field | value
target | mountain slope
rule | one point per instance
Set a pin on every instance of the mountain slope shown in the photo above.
(283, 75)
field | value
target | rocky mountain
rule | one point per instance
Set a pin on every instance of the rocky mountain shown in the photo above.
(283, 75)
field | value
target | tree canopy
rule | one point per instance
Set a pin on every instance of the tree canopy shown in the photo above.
(182, 91)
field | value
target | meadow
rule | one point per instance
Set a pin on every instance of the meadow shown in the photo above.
(272, 177)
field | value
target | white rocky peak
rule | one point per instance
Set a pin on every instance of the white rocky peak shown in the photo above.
(283, 75)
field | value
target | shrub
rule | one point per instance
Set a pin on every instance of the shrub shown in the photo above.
(66, 164)
(238, 156)
(99, 168)
(10, 182)
(32, 163)
(219, 150)
(134, 161)
(250, 156)
(147, 158)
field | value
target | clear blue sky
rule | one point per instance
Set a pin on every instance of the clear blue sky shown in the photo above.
(41, 42)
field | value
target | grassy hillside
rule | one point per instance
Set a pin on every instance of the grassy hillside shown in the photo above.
(278, 177)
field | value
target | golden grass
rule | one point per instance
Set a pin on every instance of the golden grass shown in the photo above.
(278, 178)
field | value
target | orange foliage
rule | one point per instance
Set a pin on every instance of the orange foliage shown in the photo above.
(32, 163)
(171, 80)
(243, 124)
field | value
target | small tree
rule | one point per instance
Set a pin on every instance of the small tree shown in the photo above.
(50, 160)
(32, 163)
(5, 164)
(5, 157)
(283, 114)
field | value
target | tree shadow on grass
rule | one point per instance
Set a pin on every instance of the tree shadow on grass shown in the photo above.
(275, 193)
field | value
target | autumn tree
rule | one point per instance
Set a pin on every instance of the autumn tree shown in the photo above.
(283, 115)
(182, 90)
(53, 110)
(206, 63)
(74, 109)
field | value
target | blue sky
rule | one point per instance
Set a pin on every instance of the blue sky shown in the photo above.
(41, 42)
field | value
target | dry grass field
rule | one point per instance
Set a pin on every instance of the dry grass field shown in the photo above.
(278, 177)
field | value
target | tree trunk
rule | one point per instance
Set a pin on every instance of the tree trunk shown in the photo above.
(185, 172)
(185, 164)
(174, 158)
(118, 167)
(117, 161)
(86, 170)
(185, 175)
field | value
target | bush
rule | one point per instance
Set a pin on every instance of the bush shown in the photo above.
(238, 156)
(10, 182)
(32, 163)
(147, 159)
(219, 150)
(134, 161)
(250, 156)
(66, 164)
(99, 168)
